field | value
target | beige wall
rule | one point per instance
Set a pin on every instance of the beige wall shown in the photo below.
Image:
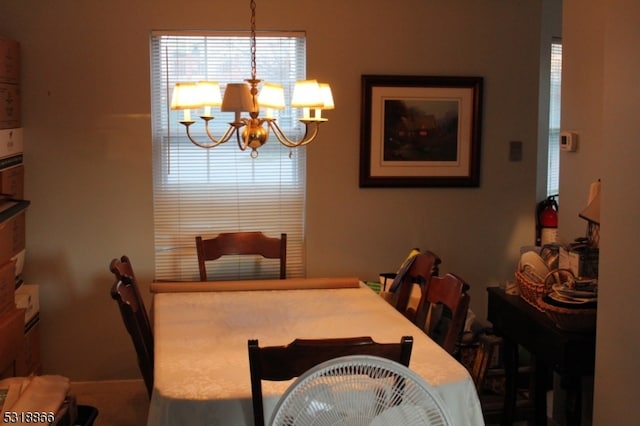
(85, 88)
(600, 101)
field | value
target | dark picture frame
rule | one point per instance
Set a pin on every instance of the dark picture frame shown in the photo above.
(420, 131)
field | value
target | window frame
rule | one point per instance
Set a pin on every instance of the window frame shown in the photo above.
(554, 124)
(266, 194)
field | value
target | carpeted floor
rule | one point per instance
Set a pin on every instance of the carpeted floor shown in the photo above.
(119, 403)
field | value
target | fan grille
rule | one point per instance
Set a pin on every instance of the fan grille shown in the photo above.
(359, 390)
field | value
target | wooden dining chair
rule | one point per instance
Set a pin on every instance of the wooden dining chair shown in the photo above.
(241, 243)
(126, 293)
(423, 266)
(278, 363)
(442, 310)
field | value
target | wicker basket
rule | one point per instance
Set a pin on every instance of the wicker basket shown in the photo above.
(570, 319)
(530, 290)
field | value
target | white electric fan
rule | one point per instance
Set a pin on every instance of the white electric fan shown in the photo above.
(360, 390)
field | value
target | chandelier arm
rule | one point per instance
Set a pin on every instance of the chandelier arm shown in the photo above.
(194, 141)
(242, 140)
(233, 128)
(242, 143)
(311, 132)
(214, 142)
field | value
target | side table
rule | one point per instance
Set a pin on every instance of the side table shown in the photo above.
(571, 355)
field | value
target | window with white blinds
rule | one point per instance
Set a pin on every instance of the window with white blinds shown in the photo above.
(553, 167)
(207, 191)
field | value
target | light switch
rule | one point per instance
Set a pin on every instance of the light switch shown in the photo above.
(515, 151)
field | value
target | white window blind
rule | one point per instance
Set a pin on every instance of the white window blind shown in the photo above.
(553, 169)
(207, 191)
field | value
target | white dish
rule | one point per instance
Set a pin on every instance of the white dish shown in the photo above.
(532, 262)
(569, 292)
(559, 297)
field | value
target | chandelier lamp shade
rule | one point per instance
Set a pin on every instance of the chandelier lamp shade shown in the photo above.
(248, 97)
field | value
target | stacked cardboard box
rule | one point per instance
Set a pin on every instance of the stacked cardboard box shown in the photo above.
(9, 84)
(13, 208)
(11, 147)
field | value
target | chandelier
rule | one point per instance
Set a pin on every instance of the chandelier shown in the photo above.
(253, 131)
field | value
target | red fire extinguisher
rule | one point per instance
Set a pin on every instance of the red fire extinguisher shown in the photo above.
(547, 221)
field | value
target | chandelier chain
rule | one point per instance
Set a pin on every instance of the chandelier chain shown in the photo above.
(253, 40)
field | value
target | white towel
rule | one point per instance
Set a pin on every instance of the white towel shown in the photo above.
(40, 394)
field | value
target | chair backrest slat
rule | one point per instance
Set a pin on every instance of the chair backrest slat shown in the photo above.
(277, 363)
(241, 243)
(448, 291)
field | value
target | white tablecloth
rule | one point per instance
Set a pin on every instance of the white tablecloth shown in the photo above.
(201, 361)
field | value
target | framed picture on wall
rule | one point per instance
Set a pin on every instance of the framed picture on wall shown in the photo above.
(420, 131)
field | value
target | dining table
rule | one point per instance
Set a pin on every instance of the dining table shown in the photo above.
(201, 330)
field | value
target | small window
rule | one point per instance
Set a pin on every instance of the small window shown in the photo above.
(553, 168)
